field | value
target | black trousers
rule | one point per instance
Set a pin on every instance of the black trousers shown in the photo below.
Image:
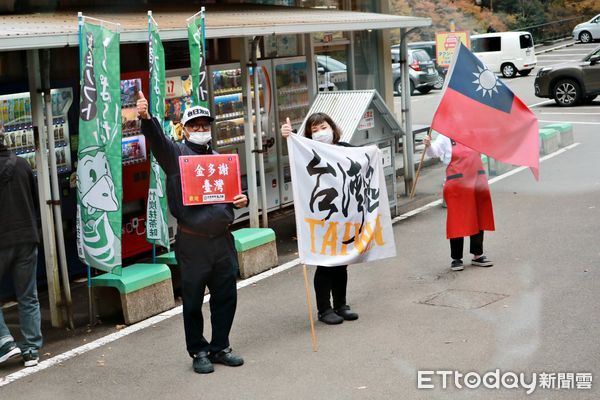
(208, 262)
(330, 281)
(475, 244)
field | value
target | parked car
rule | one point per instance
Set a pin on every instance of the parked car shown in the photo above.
(422, 72)
(506, 52)
(430, 49)
(588, 31)
(570, 83)
(331, 73)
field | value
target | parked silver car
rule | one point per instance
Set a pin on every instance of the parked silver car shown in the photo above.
(588, 31)
(422, 72)
(331, 74)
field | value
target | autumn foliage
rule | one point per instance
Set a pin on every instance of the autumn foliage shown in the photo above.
(500, 14)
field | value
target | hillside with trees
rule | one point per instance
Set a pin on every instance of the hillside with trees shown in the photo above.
(501, 15)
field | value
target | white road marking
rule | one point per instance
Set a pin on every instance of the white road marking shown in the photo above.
(519, 169)
(562, 55)
(566, 113)
(540, 103)
(569, 122)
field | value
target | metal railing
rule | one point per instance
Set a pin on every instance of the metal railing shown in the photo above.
(554, 30)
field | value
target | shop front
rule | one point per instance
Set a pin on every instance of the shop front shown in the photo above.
(265, 64)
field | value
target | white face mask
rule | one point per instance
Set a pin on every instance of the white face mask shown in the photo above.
(323, 136)
(200, 138)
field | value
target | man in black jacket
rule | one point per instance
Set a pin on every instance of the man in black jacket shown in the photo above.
(204, 245)
(18, 253)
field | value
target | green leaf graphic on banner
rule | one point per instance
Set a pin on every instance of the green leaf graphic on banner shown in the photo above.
(157, 230)
(99, 168)
(197, 45)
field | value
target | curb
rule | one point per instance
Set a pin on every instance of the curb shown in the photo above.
(562, 46)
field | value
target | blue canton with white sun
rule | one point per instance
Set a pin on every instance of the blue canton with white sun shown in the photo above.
(486, 88)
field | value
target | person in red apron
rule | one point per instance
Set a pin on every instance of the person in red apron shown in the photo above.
(468, 200)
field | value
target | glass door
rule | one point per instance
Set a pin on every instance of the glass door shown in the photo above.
(291, 88)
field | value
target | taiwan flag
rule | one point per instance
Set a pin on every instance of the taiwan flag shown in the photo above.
(480, 112)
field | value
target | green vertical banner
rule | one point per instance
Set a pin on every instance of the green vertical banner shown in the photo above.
(157, 229)
(99, 167)
(197, 45)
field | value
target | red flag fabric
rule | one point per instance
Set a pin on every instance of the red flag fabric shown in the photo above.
(479, 111)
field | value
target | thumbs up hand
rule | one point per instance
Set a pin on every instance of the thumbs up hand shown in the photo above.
(286, 129)
(142, 106)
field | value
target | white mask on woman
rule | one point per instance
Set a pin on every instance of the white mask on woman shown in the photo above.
(323, 136)
(200, 138)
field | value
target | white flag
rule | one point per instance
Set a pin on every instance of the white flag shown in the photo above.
(341, 203)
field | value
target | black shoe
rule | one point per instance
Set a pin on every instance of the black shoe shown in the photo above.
(482, 262)
(457, 265)
(31, 358)
(8, 350)
(227, 357)
(346, 313)
(330, 317)
(202, 364)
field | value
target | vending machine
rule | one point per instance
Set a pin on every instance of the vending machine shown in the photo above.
(16, 120)
(177, 98)
(136, 168)
(228, 107)
(283, 92)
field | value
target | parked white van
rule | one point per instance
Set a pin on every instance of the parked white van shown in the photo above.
(505, 52)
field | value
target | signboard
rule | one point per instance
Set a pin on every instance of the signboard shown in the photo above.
(446, 43)
(209, 179)
(386, 157)
(367, 121)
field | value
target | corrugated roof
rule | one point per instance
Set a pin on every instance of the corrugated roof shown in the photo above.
(347, 107)
(47, 30)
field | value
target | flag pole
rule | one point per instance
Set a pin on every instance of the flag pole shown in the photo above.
(414, 186)
(150, 21)
(310, 313)
(91, 314)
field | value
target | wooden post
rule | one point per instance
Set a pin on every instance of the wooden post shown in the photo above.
(412, 191)
(310, 313)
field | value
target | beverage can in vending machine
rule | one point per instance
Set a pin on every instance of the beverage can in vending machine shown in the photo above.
(24, 137)
(11, 110)
(21, 108)
(218, 81)
(17, 136)
(4, 111)
(28, 106)
(30, 143)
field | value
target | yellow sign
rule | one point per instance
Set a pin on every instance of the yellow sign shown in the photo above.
(446, 43)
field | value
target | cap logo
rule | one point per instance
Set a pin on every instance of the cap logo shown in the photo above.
(197, 112)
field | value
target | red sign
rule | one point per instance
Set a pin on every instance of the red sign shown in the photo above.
(209, 179)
